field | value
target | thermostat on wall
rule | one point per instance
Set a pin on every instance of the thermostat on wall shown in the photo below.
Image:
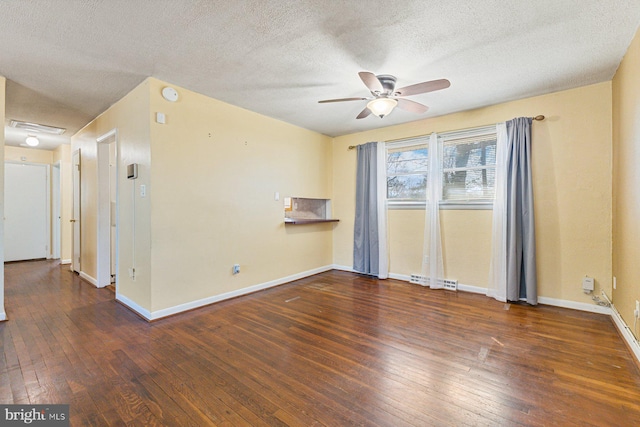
(132, 171)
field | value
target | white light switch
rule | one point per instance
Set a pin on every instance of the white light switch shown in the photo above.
(160, 118)
(276, 196)
(143, 190)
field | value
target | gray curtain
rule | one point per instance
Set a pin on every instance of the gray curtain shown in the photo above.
(521, 242)
(366, 254)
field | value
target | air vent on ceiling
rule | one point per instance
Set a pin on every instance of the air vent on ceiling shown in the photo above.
(35, 127)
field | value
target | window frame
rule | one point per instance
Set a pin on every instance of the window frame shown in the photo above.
(408, 143)
(485, 204)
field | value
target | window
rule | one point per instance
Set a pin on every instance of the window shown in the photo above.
(468, 170)
(407, 171)
(469, 166)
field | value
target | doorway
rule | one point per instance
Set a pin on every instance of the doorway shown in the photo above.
(26, 196)
(107, 208)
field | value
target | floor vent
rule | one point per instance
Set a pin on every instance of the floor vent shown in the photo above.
(450, 285)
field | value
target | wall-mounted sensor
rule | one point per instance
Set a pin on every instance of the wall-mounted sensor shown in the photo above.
(587, 284)
(170, 94)
(132, 171)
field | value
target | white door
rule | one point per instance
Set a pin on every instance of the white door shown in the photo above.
(26, 212)
(76, 211)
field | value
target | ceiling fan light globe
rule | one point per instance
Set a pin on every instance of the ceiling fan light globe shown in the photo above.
(382, 106)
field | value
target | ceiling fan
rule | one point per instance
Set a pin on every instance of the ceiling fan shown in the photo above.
(386, 97)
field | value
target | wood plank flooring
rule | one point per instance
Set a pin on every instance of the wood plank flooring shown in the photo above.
(335, 349)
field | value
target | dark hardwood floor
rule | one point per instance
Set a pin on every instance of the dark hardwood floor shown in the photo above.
(335, 349)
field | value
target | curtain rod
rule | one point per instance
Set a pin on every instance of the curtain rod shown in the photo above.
(539, 118)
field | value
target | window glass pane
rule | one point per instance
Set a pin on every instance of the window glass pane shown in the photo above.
(474, 184)
(467, 155)
(409, 161)
(407, 187)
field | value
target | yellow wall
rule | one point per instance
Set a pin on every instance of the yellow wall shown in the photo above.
(572, 184)
(130, 116)
(210, 174)
(32, 155)
(3, 84)
(626, 183)
(215, 170)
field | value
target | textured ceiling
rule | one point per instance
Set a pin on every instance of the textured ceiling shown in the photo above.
(67, 61)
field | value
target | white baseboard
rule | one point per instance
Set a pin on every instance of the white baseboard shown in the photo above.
(158, 314)
(146, 314)
(3, 316)
(342, 268)
(472, 289)
(479, 290)
(65, 261)
(626, 333)
(582, 306)
(403, 277)
(88, 278)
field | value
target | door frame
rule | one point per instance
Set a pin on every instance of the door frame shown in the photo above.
(76, 231)
(104, 209)
(56, 214)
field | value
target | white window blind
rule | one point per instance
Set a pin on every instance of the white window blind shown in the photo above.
(469, 165)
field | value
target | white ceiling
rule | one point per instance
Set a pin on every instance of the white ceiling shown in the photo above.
(67, 61)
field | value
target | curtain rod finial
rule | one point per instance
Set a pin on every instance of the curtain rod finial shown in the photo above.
(539, 118)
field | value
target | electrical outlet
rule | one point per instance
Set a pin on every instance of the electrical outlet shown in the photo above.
(615, 284)
(236, 268)
(636, 312)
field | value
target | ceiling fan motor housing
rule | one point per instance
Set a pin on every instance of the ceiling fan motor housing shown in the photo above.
(388, 83)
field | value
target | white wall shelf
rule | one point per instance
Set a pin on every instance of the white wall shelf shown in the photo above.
(301, 210)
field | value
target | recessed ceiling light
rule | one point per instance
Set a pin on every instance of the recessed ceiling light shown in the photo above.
(35, 127)
(32, 141)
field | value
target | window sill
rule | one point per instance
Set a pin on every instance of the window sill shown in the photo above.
(298, 221)
(466, 206)
(443, 205)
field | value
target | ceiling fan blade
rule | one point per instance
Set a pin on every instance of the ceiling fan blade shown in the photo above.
(364, 113)
(341, 100)
(371, 81)
(414, 107)
(423, 87)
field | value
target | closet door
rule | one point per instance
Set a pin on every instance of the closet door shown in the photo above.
(25, 212)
